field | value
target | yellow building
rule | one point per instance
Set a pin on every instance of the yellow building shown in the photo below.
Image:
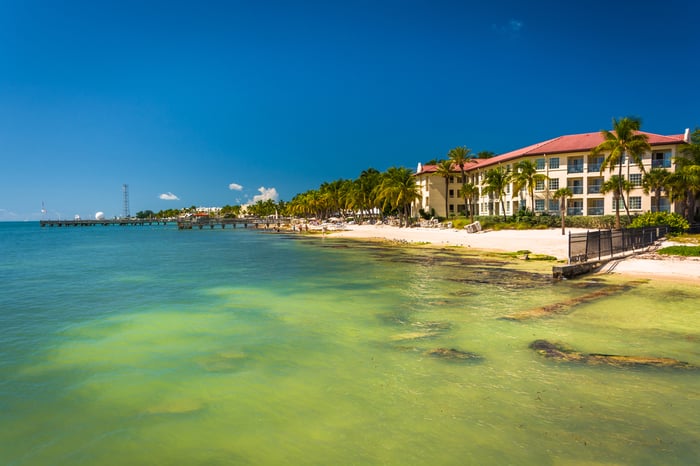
(566, 162)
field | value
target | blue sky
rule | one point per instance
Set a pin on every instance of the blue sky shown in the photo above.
(214, 103)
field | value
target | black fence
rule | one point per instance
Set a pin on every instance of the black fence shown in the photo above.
(600, 244)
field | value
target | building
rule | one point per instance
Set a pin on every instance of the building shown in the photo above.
(566, 162)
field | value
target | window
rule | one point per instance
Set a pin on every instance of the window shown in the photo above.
(661, 159)
(595, 207)
(664, 205)
(540, 164)
(635, 203)
(554, 163)
(575, 208)
(452, 193)
(554, 204)
(575, 165)
(539, 185)
(594, 185)
(594, 163)
(452, 179)
(615, 203)
(539, 205)
(576, 186)
(554, 184)
(636, 179)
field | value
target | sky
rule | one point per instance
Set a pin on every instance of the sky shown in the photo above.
(208, 103)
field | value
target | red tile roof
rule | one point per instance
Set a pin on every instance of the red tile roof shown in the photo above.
(559, 145)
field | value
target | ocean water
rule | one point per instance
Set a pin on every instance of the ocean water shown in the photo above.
(149, 345)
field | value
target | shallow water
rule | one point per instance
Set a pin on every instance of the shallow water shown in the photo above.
(149, 345)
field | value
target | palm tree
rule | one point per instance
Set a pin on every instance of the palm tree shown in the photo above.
(444, 170)
(526, 176)
(624, 140)
(563, 194)
(399, 190)
(469, 191)
(495, 182)
(686, 179)
(368, 181)
(685, 186)
(656, 180)
(460, 157)
(485, 154)
(616, 185)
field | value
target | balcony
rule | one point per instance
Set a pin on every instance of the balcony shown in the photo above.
(576, 189)
(660, 164)
(595, 211)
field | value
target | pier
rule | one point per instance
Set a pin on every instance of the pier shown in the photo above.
(104, 222)
(182, 223)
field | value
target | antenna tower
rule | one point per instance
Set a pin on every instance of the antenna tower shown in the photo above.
(125, 190)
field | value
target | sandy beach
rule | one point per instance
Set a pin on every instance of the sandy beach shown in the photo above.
(550, 242)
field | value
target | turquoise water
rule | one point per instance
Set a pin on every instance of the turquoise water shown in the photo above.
(149, 345)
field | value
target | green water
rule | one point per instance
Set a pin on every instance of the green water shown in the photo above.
(223, 347)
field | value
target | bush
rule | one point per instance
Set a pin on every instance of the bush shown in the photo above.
(675, 222)
(686, 251)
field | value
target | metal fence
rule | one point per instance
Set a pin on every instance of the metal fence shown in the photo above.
(600, 244)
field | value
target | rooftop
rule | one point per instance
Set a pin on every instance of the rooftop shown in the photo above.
(560, 145)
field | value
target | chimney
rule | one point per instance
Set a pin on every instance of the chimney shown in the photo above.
(686, 135)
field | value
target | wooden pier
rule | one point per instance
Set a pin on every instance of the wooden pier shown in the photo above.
(182, 223)
(105, 222)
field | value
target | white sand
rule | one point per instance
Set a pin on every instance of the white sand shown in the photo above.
(550, 242)
(657, 266)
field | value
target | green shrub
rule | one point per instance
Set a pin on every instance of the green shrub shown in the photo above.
(675, 222)
(686, 251)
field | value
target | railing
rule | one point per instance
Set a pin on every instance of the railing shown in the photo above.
(597, 245)
(576, 189)
(595, 167)
(594, 189)
(660, 164)
(596, 210)
(574, 169)
(574, 211)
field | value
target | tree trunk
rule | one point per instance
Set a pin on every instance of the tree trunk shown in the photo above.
(657, 194)
(562, 207)
(619, 193)
(447, 186)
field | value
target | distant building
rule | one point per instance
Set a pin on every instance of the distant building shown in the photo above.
(566, 162)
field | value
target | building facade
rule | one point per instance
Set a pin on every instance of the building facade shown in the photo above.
(565, 161)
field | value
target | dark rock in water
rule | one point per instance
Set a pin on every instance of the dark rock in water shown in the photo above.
(566, 306)
(452, 354)
(564, 353)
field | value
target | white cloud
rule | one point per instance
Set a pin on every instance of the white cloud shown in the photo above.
(235, 187)
(512, 28)
(169, 197)
(265, 194)
(515, 25)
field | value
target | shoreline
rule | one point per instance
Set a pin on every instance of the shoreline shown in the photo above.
(546, 242)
